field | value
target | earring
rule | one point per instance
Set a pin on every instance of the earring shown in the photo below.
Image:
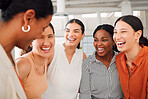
(27, 29)
(137, 40)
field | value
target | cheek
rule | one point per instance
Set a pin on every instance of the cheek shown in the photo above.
(53, 41)
(65, 35)
(94, 43)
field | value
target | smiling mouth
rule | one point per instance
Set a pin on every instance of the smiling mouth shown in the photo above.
(100, 50)
(120, 43)
(70, 39)
(46, 49)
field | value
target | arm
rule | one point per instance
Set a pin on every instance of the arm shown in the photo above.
(85, 92)
(24, 67)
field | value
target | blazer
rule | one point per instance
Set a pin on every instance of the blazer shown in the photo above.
(10, 86)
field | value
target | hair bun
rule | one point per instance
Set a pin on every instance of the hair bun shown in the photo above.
(4, 4)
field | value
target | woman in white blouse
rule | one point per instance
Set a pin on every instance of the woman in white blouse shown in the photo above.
(64, 72)
(99, 73)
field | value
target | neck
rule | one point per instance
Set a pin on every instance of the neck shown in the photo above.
(69, 50)
(50, 58)
(107, 57)
(132, 53)
(7, 37)
(39, 61)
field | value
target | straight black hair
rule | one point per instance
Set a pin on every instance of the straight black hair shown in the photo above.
(136, 24)
(108, 28)
(78, 22)
(10, 8)
(30, 47)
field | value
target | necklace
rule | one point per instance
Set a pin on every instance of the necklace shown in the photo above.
(39, 71)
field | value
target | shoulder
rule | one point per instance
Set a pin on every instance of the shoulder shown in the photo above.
(87, 63)
(24, 67)
(119, 55)
(87, 60)
(84, 56)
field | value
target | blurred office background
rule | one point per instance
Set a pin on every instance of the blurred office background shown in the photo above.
(93, 13)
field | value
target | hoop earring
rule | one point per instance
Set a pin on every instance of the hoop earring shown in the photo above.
(27, 29)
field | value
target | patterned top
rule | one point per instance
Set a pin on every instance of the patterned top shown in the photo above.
(99, 81)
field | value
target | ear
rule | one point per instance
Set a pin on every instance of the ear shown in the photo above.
(29, 15)
(138, 34)
(82, 36)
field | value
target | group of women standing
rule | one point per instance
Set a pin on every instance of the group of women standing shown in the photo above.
(62, 69)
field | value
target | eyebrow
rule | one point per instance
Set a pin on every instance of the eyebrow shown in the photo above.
(74, 29)
(122, 29)
(104, 37)
(50, 34)
(77, 29)
(101, 38)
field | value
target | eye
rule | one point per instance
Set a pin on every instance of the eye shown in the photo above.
(123, 31)
(51, 36)
(76, 31)
(67, 30)
(104, 40)
(115, 32)
(42, 37)
(95, 40)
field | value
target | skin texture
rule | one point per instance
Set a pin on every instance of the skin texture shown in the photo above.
(103, 44)
(129, 39)
(11, 36)
(73, 35)
(43, 50)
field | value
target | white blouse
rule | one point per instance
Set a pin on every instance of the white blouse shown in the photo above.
(64, 78)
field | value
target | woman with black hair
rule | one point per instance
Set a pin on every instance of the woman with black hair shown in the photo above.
(99, 73)
(22, 21)
(64, 72)
(132, 63)
(32, 66)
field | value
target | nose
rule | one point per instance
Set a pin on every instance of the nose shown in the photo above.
(116, 36)
(70, 34)
(46, 41)
(99, 43)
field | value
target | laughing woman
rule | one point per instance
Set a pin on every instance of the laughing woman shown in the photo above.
(64, 72)
(32, 66)
(132, 63)
(99, 73)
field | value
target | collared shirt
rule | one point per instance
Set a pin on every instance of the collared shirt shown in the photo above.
(99, 81)
(134, 86)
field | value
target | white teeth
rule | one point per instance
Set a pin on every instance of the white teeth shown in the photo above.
(100, 49)
(71, 39)
(120, 43)
(46, 48)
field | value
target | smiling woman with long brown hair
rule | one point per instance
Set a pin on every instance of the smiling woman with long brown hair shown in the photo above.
(132, 63)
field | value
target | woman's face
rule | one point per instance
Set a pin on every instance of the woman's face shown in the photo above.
(73, 34)
(37, 26)
(124, 36)
(103, 43)
(44, 46)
